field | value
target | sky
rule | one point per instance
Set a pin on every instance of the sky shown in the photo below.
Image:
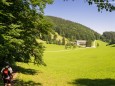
(80, 12)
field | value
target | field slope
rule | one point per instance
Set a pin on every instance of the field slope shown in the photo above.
(71, 67)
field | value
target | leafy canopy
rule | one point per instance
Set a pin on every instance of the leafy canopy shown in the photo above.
(21, 22)
(108, 5)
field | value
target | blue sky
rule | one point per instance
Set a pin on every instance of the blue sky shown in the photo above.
(79, 11)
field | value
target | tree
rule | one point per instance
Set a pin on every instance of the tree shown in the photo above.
(88, 43)
(21, 22)
(97, 44)
(63, 41)
(59, 42)
(54, 39)
(102, 4)
(109, 37)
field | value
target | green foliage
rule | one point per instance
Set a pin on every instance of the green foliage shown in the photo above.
(88, 43)
(97, 45)
(59, 42)
(102, 4)
(20, 24)
(73, 31)
(63, 41)
(69, 45)
(109, 37)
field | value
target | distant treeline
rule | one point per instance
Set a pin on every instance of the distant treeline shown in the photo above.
(109, 37)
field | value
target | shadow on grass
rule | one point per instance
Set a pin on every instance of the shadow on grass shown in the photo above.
(23, 83)
(1, 82)
(93, 82)
(113, 46)
(28, 71)
(25, 70)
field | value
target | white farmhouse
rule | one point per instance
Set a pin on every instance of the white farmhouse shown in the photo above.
(81, 43)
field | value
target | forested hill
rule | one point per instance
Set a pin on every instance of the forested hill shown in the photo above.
(72, 30)
(109, 36)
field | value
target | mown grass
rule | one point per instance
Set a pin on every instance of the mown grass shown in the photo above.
(72, 67)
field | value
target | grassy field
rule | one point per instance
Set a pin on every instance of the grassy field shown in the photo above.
(71, 67)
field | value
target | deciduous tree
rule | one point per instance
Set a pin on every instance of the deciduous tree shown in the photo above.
(21, 22)
(108, 5)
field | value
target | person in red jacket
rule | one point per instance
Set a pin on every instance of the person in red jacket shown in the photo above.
(7, 74)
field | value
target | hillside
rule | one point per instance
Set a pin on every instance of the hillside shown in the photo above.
(71, 30)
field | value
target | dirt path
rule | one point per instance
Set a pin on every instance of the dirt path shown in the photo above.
(64, 50)
(14, 75)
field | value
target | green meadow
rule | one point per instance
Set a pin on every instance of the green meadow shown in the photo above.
(71, 67)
